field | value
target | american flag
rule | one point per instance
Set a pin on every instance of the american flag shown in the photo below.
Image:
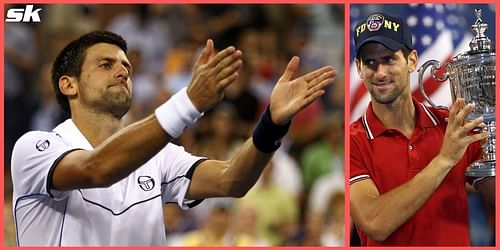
(440, 32)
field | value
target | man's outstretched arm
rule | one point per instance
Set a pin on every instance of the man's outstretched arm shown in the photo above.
(235, 177)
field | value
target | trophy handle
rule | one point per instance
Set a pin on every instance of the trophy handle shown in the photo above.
(435, 65)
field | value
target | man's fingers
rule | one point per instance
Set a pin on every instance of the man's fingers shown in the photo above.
(464, 112)
(318, 73)
(476, 137)
(291, 68)
(228, 62)
(228, 72)
(476, 123)
(230, 69)
(311, 98)
(205, 53)
(455, 108)
(319, 80)
(224, 83)
(220, 56)
(320, 86)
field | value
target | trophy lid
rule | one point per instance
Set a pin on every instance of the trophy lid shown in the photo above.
(480, 43)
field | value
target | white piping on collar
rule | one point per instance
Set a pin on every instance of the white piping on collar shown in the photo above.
(369, 132)
(430, 115)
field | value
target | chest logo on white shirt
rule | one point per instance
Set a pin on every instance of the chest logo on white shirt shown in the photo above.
(42, 145)
(146, 183)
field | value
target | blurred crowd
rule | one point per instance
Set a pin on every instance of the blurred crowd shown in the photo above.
(299, 200)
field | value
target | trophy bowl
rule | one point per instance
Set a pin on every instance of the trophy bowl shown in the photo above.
(472, 77)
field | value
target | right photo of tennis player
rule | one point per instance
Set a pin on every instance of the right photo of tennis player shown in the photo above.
(417, 168)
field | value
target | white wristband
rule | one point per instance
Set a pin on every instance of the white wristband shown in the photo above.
(177, 113)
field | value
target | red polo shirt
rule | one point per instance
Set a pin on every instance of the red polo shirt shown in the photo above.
(390, 159)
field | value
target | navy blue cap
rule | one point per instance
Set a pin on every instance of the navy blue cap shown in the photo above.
(390, 31)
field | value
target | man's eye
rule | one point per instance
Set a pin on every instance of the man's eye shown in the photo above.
(105, 66)
(370, 62)
(390, 59)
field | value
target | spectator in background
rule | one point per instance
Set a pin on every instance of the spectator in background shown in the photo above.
(286, 173)
(245, 218)
(147, 88)
(47, 113)
(276, 210)
(334, 228)
(244, 101)
(226, 21)
(219, 141)
(325, 155)
(215, 229)
(177, 223)
(145, 30)
(177, 67)
(325, 210)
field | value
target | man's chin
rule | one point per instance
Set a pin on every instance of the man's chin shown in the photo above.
(119, 108)
(385, 99)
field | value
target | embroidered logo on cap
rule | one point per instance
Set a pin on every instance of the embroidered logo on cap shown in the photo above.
(374, 22)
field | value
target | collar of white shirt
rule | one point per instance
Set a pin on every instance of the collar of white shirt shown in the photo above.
(71, 133)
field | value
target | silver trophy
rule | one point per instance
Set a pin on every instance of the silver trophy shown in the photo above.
(472, 77)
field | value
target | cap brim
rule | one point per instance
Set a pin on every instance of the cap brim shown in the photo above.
(384, 40)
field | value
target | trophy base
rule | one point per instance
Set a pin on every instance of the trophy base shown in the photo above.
(481, 168)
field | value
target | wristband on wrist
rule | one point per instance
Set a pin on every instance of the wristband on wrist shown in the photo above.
(177, 113)
(267, 135)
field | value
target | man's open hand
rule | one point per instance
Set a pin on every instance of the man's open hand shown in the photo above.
(212, 75)
(289, 96)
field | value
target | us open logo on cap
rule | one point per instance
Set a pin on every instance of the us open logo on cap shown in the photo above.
(146, 183)
(374, 22)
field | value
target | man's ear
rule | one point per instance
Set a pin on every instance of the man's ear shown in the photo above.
(412, 61)
(358, 67)
(68, 85)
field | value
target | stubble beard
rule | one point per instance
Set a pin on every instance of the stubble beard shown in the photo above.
(117, 104)
(387, 98)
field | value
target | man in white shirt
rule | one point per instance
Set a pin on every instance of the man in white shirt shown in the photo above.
(92, 181)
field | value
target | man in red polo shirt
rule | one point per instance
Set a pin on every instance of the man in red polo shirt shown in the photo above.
(407, 182)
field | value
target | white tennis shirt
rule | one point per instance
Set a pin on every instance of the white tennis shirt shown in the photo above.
(128, 213)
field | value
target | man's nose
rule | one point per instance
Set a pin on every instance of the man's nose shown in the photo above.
(123, 72)
(381, 71)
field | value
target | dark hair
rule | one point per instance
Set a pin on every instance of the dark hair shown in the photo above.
(406, 52)
(70, 60)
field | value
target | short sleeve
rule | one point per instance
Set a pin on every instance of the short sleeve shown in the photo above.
(34, 157)
(177, 168)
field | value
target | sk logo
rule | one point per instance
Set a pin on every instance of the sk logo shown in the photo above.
(24, 15)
